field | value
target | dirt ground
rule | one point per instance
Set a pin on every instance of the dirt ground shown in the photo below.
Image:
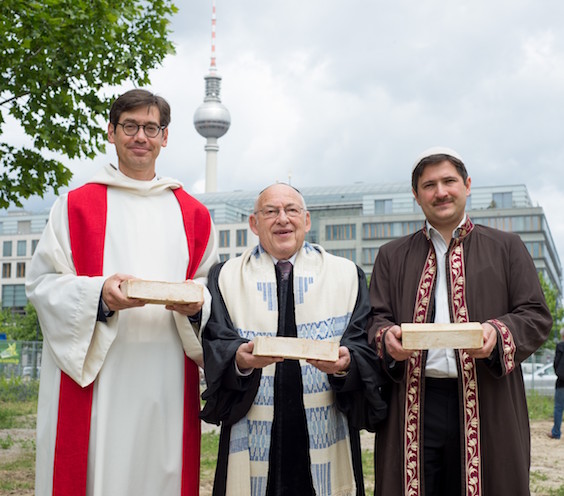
(546, 467)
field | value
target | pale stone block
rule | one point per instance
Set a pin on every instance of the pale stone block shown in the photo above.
(163, 293)
(296, 348)
(462, 335)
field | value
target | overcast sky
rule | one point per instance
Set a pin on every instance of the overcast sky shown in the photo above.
(340, 91)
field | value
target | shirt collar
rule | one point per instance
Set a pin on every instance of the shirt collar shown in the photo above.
(455, 234)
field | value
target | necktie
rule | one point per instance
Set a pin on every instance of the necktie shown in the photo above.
(284, 268)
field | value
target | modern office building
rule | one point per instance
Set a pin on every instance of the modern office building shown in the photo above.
(351, 221)
(19, 234)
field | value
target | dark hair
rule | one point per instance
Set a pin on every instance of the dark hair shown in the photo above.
(437, 159)
(134, 99)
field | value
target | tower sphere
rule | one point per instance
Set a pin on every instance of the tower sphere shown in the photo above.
(212, 119)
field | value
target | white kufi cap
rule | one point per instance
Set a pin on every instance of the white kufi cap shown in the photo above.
(436, 150)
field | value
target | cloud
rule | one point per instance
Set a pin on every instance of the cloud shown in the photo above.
(334, 92)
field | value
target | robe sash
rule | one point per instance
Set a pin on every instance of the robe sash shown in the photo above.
(87, 211)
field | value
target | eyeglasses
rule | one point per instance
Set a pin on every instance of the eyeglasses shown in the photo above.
(132, 128)
(272, 212)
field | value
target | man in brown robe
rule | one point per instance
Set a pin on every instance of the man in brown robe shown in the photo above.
(457, 422)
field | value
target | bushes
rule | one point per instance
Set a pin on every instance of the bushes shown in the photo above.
(16, 389)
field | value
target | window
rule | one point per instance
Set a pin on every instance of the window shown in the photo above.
(223, 257)
(7, 249)
(20, 269)
(382, 207)
(377, 230)
(6, 271)
(24, 226)
(34, 243)
(535, 249)
(345, 253)
(515, 224)
(223, 239)
(241, 237)
(21, 247)
(13, 295)
(369, 255)
(340, 231)
(502, 200)
(410, 227)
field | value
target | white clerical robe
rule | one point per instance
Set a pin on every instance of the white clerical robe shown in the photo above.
(136, 359)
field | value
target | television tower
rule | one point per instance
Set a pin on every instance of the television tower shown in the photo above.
(212, 118)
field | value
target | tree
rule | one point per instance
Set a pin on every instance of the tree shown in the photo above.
(21, 327)
(58, 57)
(554, 303)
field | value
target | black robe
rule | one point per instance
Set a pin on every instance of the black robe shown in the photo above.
(230, 396)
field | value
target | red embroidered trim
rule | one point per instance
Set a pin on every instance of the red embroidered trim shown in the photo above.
(379, 339)
(425, 287)
(471, 412)
(412, 436)
(412, 428)
(509, 347)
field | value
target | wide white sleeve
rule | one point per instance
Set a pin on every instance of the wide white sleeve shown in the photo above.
(190, 333)
(67, 304)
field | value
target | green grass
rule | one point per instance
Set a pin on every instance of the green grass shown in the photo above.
(210, 444)
(18, 405)
(368, 470)
(18, 474)
(18, 390)
(540, 407)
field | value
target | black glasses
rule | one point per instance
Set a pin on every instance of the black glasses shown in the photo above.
(132, 128)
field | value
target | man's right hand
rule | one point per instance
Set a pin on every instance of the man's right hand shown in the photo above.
(246, 360)
(394, 348)
(114, 298)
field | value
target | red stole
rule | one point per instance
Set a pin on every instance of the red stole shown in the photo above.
(87, 208)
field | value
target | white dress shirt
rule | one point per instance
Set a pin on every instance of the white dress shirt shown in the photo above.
(441, 363)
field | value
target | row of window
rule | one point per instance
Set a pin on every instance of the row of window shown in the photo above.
(386, 230)
(13, 295)
(7, 270)
(499, 200)
(240, 235)
(535, 248)
(21, 227)
(21, 247)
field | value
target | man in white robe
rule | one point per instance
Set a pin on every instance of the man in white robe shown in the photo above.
(136, 360)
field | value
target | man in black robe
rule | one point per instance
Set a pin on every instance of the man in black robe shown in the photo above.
(457, 421)
(289, 427)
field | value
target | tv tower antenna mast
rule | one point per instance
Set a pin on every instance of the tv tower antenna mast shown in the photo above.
(212, 119)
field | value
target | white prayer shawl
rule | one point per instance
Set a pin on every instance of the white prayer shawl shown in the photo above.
(136, 358)
(325, 293)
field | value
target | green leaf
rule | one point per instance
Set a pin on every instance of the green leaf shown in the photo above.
(58, 59)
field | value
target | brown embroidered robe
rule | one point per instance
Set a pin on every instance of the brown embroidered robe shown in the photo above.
(490, 277)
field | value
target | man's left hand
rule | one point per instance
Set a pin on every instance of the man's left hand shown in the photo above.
(341, 365)
(490, 340)
(188, 309)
